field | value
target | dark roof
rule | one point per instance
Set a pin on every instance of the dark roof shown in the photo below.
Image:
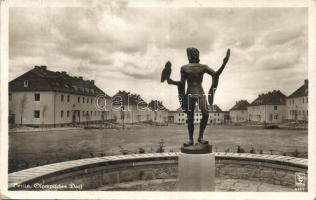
(41, 79)
(127, 98)
(212, 109)
(215, 108)
(240, 105)
(156, 105)
(301, 91)
(271, 98)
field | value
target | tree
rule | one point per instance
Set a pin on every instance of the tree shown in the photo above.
(23, 102)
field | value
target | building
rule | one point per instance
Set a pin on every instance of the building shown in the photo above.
(129, 108)
(41, 97)
(171, 116)
(239, 112)
(159, 113)
(297, 104)
(216, 116)
(179, 116)
(268, 108)
(226, 117)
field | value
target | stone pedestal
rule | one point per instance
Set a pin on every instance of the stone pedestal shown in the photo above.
(196, 172)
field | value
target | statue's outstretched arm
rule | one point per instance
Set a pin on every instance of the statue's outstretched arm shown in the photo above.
(172, 82)
(178, 83)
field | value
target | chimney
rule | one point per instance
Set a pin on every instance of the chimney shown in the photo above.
(306, 83)
(80, 77)
(43, 67)
(63, 73)
(92, 82)
(36, 66)
(306, 86)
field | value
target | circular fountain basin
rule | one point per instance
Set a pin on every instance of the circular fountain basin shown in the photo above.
(158, 171)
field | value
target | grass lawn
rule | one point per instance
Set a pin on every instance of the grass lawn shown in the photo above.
(39, 148)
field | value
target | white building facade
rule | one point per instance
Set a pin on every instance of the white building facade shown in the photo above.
(129, 108)
(159, 113)
(239, 112)
(44, 98)
(297, 104)
(268, 108)
(216, 116)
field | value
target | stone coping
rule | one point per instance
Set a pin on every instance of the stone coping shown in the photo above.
(24, 176)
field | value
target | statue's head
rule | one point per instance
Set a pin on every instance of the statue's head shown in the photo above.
(193, 55)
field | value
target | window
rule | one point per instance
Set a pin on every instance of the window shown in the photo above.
(10, 96)
(68, 113)
(303, 100)
(299, 112)
(306, 99)
(37, 97)
(83, 113)
(95, 113)
(91, 113)
(68, 98)
(62, 114)
(275, 107)
(62, 97)
(82, 99)
(78, 99)
(91, 100)
(36, 114)
(26, 83)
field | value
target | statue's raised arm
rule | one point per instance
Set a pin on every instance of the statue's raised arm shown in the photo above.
(215, 79)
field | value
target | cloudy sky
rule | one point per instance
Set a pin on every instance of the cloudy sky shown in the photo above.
(125, 48)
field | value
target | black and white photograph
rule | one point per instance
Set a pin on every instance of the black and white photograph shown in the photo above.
(125, 99)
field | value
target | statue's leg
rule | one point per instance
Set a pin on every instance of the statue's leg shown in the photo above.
(190, 121)
(205, 116)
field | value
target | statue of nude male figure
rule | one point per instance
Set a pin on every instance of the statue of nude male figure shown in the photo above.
(193, 73)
